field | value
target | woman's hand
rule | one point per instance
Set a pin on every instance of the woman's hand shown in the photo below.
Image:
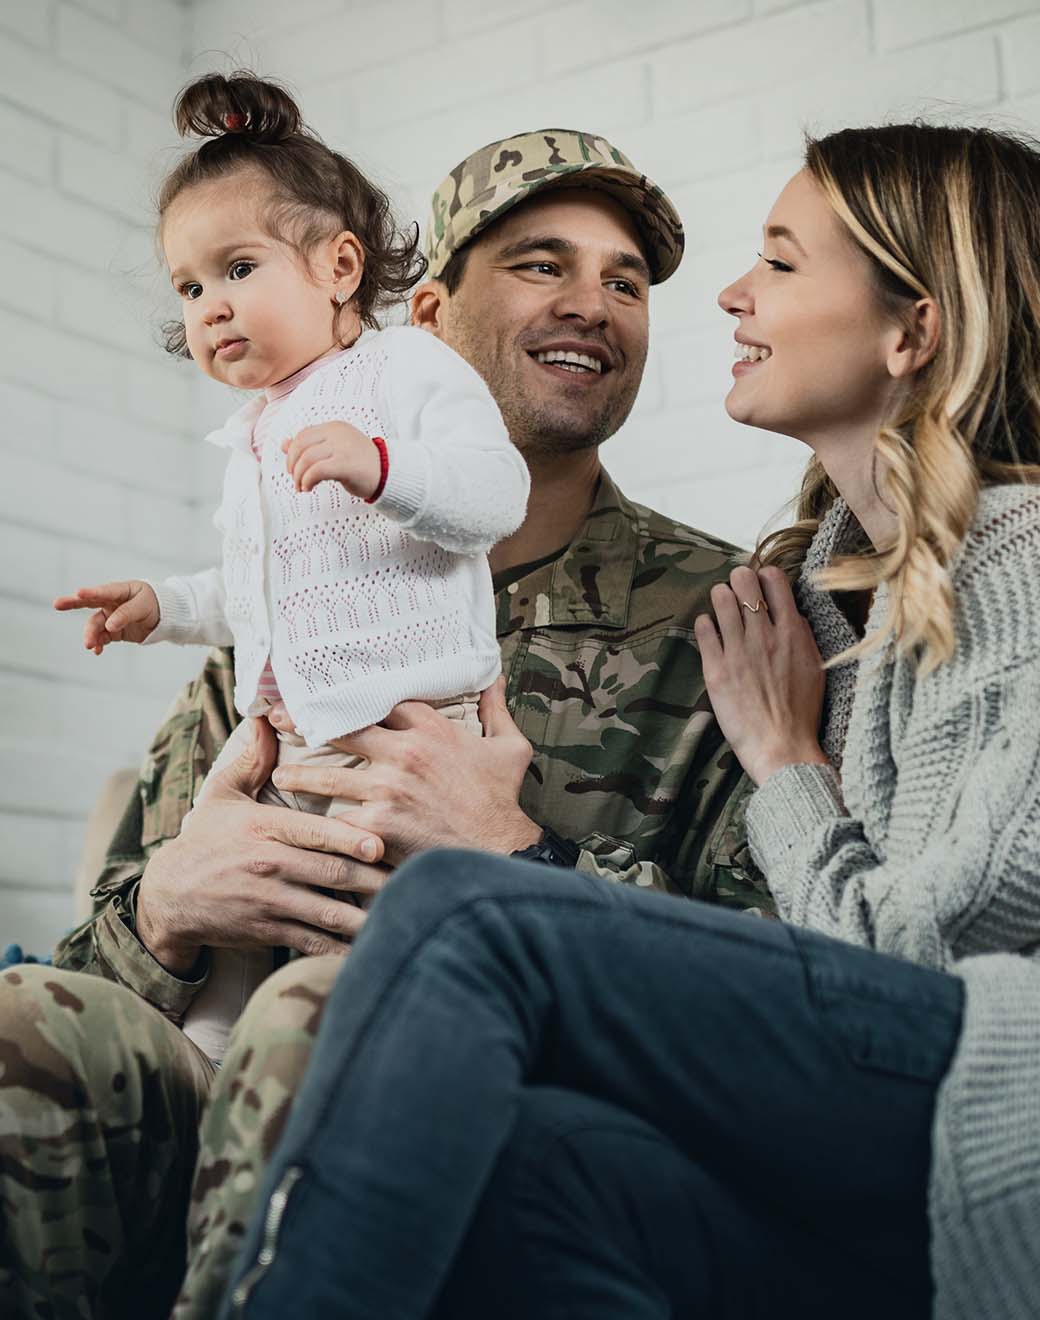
(763, 672)
(333, 451)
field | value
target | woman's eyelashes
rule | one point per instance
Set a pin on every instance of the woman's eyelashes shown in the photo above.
(776, 263)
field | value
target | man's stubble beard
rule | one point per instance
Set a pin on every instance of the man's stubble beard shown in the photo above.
(538, 428)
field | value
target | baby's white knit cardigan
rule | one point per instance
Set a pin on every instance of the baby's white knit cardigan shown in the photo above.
(361, 606)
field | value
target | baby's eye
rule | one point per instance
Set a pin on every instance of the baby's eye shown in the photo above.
(191, 290)
(238, 270)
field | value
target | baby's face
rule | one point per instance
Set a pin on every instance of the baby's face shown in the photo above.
(254, 312)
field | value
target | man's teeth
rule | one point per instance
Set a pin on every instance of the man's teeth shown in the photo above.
(572, 361)
(752, 353)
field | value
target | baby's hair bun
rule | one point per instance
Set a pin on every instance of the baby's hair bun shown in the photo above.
(239, 103)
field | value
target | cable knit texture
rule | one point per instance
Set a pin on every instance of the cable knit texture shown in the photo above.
(360, 606)
(922, 839)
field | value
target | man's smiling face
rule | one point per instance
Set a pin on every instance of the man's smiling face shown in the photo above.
(552, 312)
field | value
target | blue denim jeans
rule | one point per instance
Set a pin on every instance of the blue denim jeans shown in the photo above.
(538, 1094)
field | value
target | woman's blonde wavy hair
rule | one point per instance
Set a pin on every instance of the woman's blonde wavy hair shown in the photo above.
(952, 214)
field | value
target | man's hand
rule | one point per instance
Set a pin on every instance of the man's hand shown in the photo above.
(334, 451)
(247, 876)
(430, 783)
(123, 612)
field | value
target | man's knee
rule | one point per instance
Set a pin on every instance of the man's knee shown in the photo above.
(290, 999)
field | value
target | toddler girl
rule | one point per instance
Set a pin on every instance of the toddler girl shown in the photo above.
(367, 477)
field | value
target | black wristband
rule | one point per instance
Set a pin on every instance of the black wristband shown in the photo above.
(551, 850)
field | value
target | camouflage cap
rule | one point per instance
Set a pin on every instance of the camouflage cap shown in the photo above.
(492, 180)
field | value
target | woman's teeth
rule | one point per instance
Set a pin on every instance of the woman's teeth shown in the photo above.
(570, 361)
(752, 353)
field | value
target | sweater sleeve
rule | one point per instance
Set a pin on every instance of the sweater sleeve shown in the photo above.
(191, 610)
(960, 870)
(454, 477)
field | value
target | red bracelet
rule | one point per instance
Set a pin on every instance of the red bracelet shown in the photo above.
(384, 468)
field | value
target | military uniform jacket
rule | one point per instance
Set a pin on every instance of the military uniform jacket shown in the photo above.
(604, 679)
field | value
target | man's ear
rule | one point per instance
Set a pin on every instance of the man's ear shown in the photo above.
(918, 341)
(429, 307)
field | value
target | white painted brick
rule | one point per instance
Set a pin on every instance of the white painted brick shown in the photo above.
(465, 16)
(152, 138)
(122, 723)
(30, 563)
(60, 364)
(132, 453)
(115, 59)
(161, 526)
(37, 493)
(958, 74)
(732, 205)
(27, 281)
(1021, 43)
(109, 180)
(32, 856)
(334, 45)
(913, 22)
(40, 641)
(161, 394)
(88, 564)
(162, 25)
(1021, 114)
(29, 418)
(714, 140)
(33, 215)
(36, 919)
(112, 10)
(109, 309)
(696, 367)
(688, 301)
(35, 81)
(724, 65)
(28, 19)
(26, 145)
(163, 670)
(467, 70)
(32, 706)
(774, 6)
(423, 151)
(34, 778)
(594, 31)
(218, 24)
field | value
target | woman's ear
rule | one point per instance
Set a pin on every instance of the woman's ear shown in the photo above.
(347, 258)
(918, 340)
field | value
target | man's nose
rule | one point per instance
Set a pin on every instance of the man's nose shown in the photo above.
(583, 299)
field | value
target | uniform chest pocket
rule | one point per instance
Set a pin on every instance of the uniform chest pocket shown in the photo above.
(168, 775)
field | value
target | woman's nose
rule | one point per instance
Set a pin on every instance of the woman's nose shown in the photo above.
(736, 298)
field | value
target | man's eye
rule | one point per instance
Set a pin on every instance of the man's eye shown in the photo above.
(626, 286)
(543, 267)
(191, 291)
(238, 270)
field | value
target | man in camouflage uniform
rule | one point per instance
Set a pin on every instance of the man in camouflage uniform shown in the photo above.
(101, 1093)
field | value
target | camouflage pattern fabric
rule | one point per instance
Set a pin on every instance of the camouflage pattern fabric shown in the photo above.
(603, 677)
(100, 1099)
(492, 180)
(265, 1062)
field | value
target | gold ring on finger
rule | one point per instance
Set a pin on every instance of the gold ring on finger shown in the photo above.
(754, 609)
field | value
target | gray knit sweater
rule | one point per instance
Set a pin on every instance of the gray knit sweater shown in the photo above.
(922, 839)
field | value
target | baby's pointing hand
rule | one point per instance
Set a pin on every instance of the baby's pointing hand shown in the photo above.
(123, 612)
(333, 451)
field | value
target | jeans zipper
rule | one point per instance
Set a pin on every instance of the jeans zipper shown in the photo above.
(269, 1243)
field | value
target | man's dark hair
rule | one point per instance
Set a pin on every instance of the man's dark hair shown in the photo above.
(451, 275)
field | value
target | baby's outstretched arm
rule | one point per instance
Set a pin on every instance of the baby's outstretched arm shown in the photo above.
(123, 612)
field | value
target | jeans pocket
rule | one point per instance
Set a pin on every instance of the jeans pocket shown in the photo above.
(886, 1014)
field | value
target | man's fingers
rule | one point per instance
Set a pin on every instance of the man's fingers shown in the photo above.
(495, 718)
(325, 781)
(310, 942)
(252, 768)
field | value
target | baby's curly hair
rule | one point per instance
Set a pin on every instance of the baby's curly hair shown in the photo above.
(314, 192)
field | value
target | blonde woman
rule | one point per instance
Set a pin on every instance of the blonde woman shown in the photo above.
(631, 1108)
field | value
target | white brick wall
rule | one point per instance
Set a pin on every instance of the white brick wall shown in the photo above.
(708, 96)
(97, 441)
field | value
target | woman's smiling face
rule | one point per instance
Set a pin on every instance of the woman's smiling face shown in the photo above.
(810, 312)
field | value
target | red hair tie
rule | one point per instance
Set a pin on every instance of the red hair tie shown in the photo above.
(234, 123)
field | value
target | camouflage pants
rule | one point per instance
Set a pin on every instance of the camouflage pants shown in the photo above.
(100, 1103)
